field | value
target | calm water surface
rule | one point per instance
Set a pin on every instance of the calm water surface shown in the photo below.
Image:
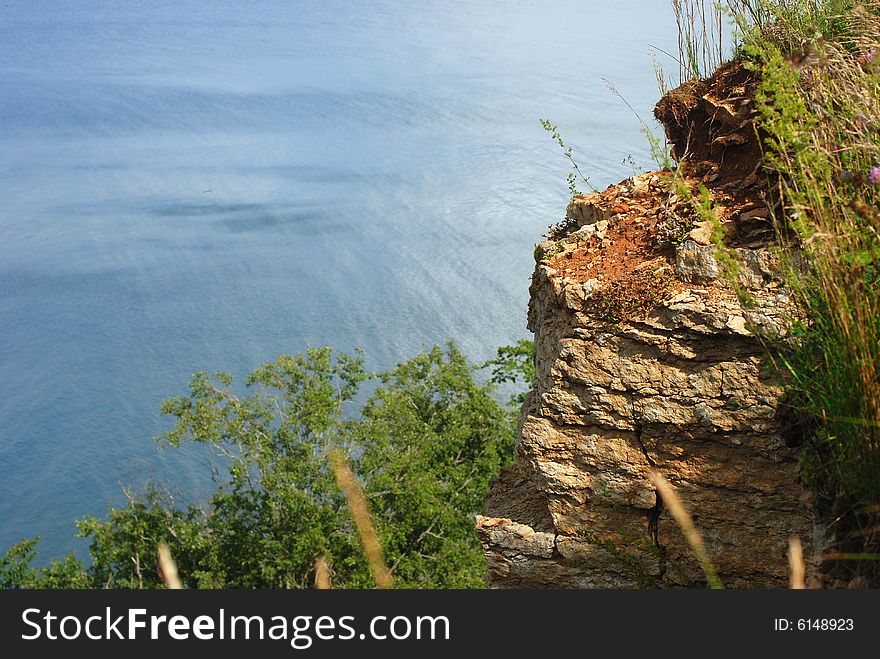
(189, 185)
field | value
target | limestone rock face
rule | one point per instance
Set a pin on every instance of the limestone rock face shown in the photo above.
(682, 389)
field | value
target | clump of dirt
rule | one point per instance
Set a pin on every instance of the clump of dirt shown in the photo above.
(619, 243)
(619, 251)
(710, 125)
(624, 238)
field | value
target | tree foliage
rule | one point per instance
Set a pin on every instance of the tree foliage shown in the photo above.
(424, 444)
(514, 364)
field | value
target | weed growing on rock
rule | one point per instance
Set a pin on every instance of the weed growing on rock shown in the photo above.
(677, 219)
(818, 103)
(660, 152)
(633, 295)
(700, 32)
(572, 178)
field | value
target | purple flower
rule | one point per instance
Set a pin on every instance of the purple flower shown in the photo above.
(869, 56)
(874, 175)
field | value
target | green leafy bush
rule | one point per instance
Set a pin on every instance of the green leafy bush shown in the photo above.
(818, 108)
(425, 445)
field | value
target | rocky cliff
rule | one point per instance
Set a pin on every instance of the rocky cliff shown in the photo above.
(650, 353)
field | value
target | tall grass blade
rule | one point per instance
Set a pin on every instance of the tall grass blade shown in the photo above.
(360, 513)
(672, 502)
(168, 568)
(322, 574)
(796, 563)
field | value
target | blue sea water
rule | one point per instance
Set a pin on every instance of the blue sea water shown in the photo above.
(190, 185)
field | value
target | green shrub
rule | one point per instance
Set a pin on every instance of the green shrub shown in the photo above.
(425, 445)
(819, 110)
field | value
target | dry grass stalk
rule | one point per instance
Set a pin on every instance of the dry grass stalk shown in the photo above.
(830, 181)
(672, 502)
(796, 563)
(850, 556)
(322, 574)
(357, 504)
(755, 11)
(168, 568)
(700, 37)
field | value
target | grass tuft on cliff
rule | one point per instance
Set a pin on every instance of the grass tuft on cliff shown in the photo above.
(818, 118)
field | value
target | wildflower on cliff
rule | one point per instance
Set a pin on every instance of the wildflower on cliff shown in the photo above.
(869, 56)
(874, 176)
(856, 178)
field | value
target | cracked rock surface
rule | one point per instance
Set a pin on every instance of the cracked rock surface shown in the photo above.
(647, 359)
(682, 388)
